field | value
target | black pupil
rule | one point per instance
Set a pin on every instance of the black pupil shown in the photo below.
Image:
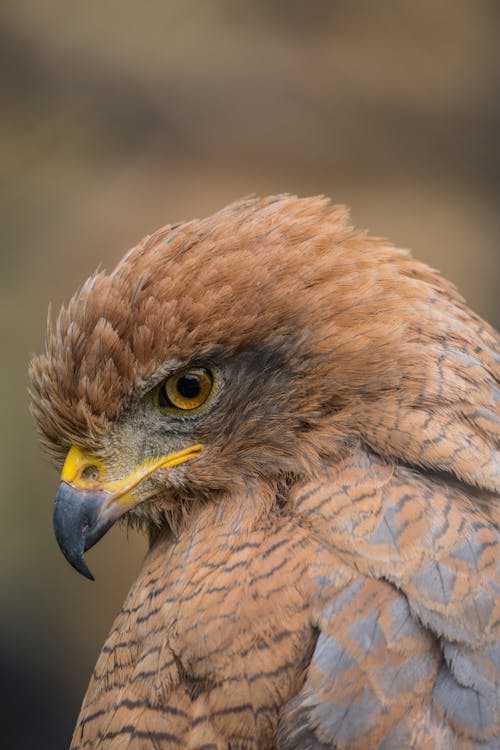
(189, 386)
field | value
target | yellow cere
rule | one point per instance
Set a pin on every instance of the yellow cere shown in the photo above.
(85, 471)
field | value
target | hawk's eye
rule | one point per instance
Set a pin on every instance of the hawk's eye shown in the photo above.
(186, 390)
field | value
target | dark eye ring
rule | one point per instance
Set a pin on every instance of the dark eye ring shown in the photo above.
(186, 390)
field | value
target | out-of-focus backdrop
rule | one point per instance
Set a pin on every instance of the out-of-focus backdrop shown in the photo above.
(121, 116)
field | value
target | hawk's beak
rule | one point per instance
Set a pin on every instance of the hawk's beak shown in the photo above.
(87, 505)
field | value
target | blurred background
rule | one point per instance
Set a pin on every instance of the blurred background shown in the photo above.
(121, 116)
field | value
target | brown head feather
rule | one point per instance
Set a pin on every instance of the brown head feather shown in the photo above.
(375, 340)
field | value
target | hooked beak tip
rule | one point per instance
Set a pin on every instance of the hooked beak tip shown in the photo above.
(81, 566)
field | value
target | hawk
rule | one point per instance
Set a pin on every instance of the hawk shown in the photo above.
(305, 420)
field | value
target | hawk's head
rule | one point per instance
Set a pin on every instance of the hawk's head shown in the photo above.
(242, 349)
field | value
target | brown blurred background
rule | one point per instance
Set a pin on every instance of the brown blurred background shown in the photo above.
(121, 116)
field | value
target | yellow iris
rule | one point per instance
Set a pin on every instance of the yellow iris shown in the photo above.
(186, 390)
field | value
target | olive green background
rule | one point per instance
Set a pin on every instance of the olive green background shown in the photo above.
(120, 116)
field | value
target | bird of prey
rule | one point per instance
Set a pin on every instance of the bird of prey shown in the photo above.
(306, 421)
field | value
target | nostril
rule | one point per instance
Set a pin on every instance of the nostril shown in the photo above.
(90, 473)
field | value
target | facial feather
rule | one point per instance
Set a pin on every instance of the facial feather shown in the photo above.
(326, 336)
